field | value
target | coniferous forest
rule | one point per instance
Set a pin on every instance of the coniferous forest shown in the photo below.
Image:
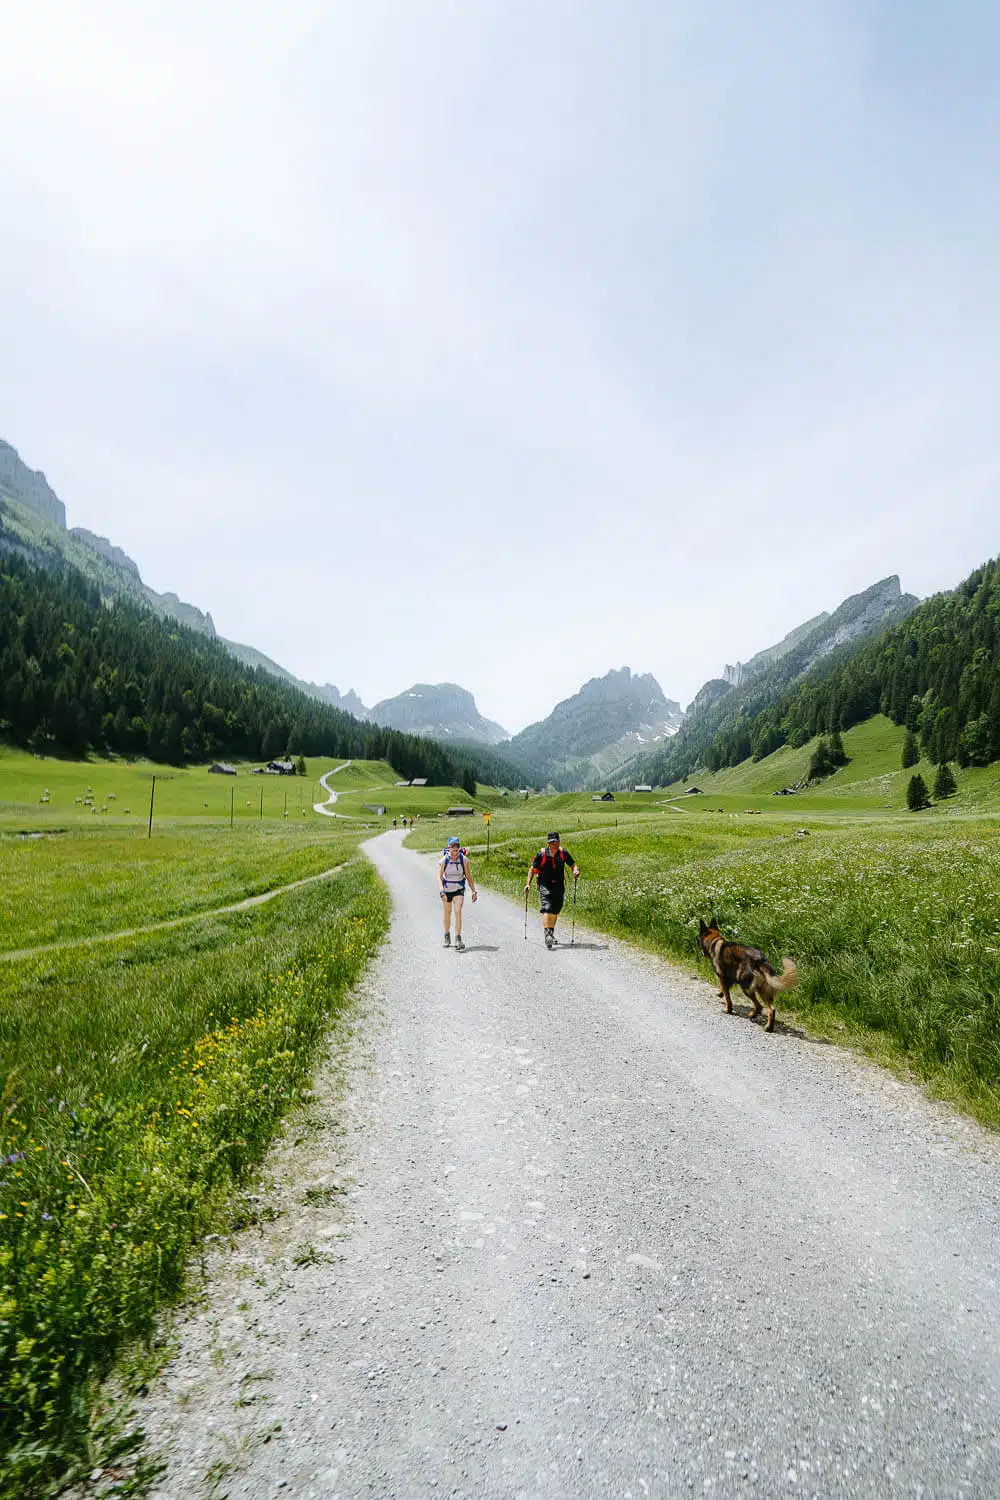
(938, 672)
(78, 674)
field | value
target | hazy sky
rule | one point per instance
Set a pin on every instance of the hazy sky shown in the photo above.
(503, 342)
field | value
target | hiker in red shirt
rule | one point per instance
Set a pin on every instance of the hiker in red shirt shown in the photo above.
(549, 864)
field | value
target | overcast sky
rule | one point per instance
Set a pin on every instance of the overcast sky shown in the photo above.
(504, 342)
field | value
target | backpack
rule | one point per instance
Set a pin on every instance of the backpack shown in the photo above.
(455, 879)
(558, 858)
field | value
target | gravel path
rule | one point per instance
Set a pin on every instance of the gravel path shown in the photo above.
(564, 1229)
(328, 808)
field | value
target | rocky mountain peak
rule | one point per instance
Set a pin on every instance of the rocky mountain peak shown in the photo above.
(590, 734)
(31, 487)
(442, 710)
(619, 685)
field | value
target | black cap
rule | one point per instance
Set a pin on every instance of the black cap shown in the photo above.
(550, 836)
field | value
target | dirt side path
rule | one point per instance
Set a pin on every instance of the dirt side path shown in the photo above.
(247, 904)
(573, 1232)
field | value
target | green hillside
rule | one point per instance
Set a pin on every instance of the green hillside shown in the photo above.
(359, 774)
(78, 674)
(937, 673)
(874, 780)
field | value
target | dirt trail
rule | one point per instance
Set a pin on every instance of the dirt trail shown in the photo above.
(195, 916)
(564, 1229)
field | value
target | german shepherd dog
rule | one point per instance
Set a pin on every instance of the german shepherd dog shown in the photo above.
(735, 964)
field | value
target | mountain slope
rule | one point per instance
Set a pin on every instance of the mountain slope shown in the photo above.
(588, 736)
(78, 673)
(746, 671)
(442, 710)
(30, 487)
(937, 672)
(719, 718)
(349, 701)
(33, 525)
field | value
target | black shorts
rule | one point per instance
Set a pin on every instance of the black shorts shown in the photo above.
(450, 895)
(551, 898)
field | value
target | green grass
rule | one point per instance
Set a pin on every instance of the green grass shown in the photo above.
(102, 792)
(873, 781)
(359, 774)
(103, 880)
(121, 792)
(406, 801)
(143, 1079)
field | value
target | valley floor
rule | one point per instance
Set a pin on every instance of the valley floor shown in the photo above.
(580, 1233)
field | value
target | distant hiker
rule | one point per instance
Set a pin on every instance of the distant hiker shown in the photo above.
(549, 864)
(394, 822)
(453, 872)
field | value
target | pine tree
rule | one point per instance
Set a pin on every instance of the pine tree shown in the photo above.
(820, 764)
(300, 766)
(944, 782)
(838, 756)
(916, 794)
(910, 754)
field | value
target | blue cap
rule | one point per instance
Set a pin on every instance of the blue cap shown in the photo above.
(452, 840)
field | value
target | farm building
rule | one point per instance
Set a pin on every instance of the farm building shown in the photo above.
(401, 783)
(642, 789)
(222, 768)
(460, 812)
(281, 767)
(419, 781)
(603, 797)
(694, 791)
(376, 807)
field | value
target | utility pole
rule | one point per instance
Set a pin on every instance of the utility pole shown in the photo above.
(152, 794)
(262, 804)
(232, 804)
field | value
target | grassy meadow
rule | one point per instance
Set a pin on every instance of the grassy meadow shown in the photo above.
(892, 916)
(41, 794)
(144, 1076)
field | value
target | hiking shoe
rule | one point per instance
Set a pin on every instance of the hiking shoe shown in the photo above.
(447, 939)
(459, 945)
(550, 941)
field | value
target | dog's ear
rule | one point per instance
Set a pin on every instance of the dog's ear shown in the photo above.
(713, 923)
(702, 929)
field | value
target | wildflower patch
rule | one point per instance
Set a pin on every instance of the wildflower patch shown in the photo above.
(126, 1124)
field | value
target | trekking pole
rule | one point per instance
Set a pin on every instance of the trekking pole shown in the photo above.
(525, 914)
(572, 939)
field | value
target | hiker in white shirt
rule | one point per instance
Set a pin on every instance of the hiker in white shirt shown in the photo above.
(453, 873)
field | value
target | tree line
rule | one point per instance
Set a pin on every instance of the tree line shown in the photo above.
(937, 672)
(78, 673)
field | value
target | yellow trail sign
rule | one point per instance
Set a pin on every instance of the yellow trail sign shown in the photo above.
(486, 817)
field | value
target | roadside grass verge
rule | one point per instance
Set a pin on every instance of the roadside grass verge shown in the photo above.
(896, 929)
(142, 1082)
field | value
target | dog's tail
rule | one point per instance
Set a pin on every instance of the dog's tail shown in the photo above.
(786, 980)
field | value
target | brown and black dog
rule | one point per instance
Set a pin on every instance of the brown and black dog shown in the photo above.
(735, 964)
